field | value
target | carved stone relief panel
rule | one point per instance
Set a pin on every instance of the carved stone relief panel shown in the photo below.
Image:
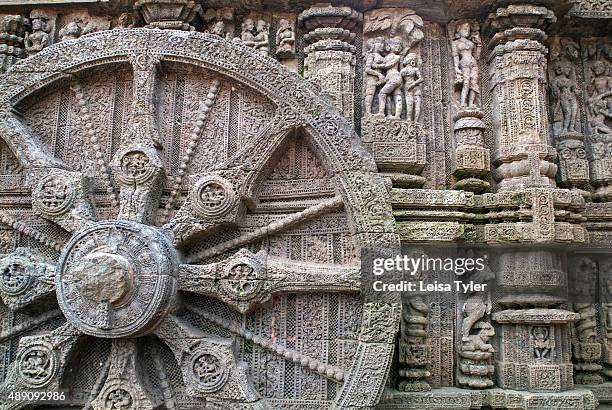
(266, 242)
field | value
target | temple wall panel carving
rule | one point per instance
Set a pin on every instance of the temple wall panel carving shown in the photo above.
(190, 193)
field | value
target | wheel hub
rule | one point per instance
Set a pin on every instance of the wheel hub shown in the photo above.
(117, 279)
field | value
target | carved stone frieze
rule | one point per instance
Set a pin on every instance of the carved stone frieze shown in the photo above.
(188, 190)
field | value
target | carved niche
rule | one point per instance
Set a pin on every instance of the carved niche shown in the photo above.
(393, 91)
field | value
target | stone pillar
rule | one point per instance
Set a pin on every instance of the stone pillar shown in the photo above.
(169, 14)
(330, 55)
(523, 155)
(471, 159)
(12, 31)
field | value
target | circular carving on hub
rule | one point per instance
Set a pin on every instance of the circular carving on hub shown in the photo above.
(208, 371)
(136, 167)
(14, 276)
(213, 196)
(116, 279)
(118, 399)
(54, 195)
(242, 279)
(36, 365)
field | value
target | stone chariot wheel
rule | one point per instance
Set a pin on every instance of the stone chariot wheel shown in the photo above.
(194, 231)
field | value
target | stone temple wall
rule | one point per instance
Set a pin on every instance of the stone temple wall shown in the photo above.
(186, 187)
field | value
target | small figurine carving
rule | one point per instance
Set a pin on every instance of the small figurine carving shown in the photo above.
(563, 91)
(478, 304)
(262, 38)
(70, 31)
(219, 29)
(285, 39)
(466, 49)
(374, 77)
(393, 78)
(479, 342)
(39, 38)
(246, 37)
(391, 22)
(601, 83)
(598, 112)
(125, 20)
(411, 74)
(542, 346)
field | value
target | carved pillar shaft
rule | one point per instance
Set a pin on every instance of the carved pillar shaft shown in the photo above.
(523, 154)
(330, 55)
(12, 31)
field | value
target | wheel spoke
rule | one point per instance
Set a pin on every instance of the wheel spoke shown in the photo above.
(214, 202)
(25, 278)
(331, 372)
(8, 219)
(247, 279)
(41, 360)
(124, 386)
(209, 365)
(327, 206)
(137, 165)
(23, 144)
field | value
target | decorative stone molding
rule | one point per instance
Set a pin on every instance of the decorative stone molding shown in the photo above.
(589, 9)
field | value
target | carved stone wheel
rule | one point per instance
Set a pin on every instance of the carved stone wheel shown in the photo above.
(196, 212)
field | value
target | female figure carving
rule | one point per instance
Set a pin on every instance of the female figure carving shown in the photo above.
(466, 51)
(39, 38)
(411, 72)
(285, 39)
(563, 90)
(247, 37)
(261, 39)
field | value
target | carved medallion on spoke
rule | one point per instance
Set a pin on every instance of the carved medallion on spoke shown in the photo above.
(136, 167)
(14, 276)
(36, 365)
(209, 372)
(213, 197)
(118, 399)
(54, 195)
